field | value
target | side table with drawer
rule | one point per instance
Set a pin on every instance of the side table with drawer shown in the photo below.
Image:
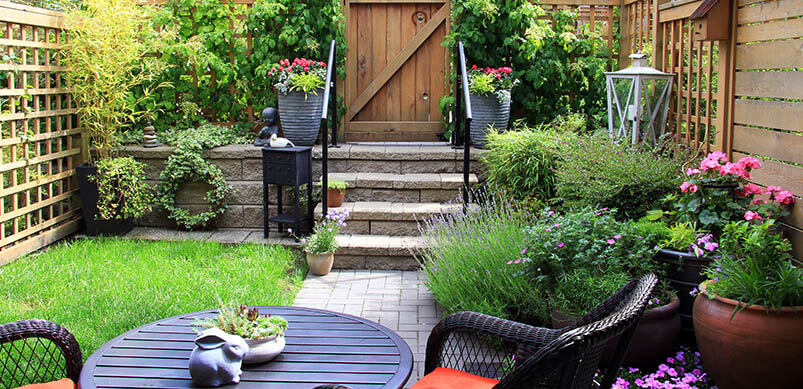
(287, 166)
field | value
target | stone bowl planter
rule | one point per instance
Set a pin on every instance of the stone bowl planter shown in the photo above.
(300, 116)
(487, 111)
(320, 264)
(264, 350)
(756, 348)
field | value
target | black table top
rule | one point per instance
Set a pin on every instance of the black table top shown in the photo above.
(323, 347)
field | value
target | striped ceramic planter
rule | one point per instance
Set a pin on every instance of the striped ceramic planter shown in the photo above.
(487, 111)
(301, 116)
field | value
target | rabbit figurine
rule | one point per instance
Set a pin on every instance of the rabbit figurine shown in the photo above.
(217, 358)
(275, 141)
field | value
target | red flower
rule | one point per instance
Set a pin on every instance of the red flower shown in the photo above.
(306, 69)
(281, 68)
(474, 67)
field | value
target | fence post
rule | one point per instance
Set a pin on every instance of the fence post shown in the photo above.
(624, 36)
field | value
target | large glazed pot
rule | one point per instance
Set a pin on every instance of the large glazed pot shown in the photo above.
(487, 111)
(683, 271)
(300, 116)
(264, 350)
(755, 349)
(88, 191)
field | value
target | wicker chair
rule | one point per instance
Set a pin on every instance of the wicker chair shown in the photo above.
(37, 351)
(523, 356)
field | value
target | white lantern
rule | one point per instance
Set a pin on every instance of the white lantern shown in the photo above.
(638, 101)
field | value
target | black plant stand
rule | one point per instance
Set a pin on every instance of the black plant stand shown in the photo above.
(287, 166)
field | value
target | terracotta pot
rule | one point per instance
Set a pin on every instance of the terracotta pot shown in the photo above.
(335, 197)
(655, 337)
(656, 334)
(755, 349)
(320, 264)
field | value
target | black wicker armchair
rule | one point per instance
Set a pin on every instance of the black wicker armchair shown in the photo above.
(522, 356)
(37, 351)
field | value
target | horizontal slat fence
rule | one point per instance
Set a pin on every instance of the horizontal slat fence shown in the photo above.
(768, 88)
(40, 139)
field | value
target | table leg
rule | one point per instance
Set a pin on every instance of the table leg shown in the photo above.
(265, 226)
(279, 192)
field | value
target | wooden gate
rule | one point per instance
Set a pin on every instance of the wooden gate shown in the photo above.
(396, 69)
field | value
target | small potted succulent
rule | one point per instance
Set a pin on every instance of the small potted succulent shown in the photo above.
(489, 90)
(300, 93)
(264, 334)
(320, 247)
(336, 192)
(748, 315)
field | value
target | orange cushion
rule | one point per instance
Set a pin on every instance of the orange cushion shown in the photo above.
(64, 383)
(442, 378)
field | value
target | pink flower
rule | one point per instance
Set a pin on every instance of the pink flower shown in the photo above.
(617, 236)
(718, 156)
(510, 262)
(772, 189)
(750, 215)
(749, 163)
(561, 244)
(709, 164)
(759, 201)
(752, 189)
(784, 197)
(517, 261)
(611, 241)
(732, 168)
(524, 250)
(686, 187)
(692, 172)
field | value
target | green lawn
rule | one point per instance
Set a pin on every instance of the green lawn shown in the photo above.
(100, 288)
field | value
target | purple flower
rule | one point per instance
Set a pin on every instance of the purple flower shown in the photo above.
(510, 262)
(556, 225)
(693, 292)
(524, 250)
(611, 241)
(617, 236)
(561, 244)
(548, 229)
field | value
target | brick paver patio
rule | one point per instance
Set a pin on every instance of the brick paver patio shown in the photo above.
(398, 300)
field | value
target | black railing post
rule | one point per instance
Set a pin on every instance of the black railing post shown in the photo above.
(333, 105)
(325, 132)
(458, 113)
(467, 129)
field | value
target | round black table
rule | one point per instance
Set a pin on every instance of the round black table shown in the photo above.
(323, 347)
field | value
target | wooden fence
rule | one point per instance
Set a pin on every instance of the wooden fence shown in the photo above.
(592, 15)
(742, 95)
(40, 137)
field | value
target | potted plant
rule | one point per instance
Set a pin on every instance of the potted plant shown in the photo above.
(320, 247)
(300, 93)
(489, 91)
(107, 59)
(336, 192)
(264, 334)
(748, 316)
(579, 259)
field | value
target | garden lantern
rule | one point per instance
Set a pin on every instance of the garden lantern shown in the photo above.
(638, 101)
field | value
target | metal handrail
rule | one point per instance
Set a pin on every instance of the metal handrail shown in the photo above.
(466, 133)
(330, 85)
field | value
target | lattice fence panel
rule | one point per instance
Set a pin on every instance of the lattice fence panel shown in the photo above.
(592, 15)
(40, 138)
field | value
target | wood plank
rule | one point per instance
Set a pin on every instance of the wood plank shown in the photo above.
(31, 16)
(33, 161)
(33, 91)
(678, 11)
(788, 177)
(41, 137)
(34, 243)
(396, 1)
(777, 29)
(767, 55)
(32, 44)
(422, 68)
(397, 62)
(408, 69)
(377, 105)
(394, 45)
(796, 237)
(352, 65)
(31, 208)
(781, 145)
(404, 126)
(32, 115)
(39, 227)
(770, 10)
(437, 72)
(32, 68)
(364, 56)
(781, 85)
(772, 114)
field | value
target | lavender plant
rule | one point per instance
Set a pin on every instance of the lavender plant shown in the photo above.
(323, 241)
(465, 260)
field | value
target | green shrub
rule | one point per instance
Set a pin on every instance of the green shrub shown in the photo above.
(522, 161)
(465, 261)
(596, 172)
(122, 188)
(576, 260)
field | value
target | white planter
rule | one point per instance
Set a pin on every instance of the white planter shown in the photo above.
(264, 350)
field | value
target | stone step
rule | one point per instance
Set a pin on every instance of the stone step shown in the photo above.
(359, 251)
(410, 188)
(397, 159)
(388, 218)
